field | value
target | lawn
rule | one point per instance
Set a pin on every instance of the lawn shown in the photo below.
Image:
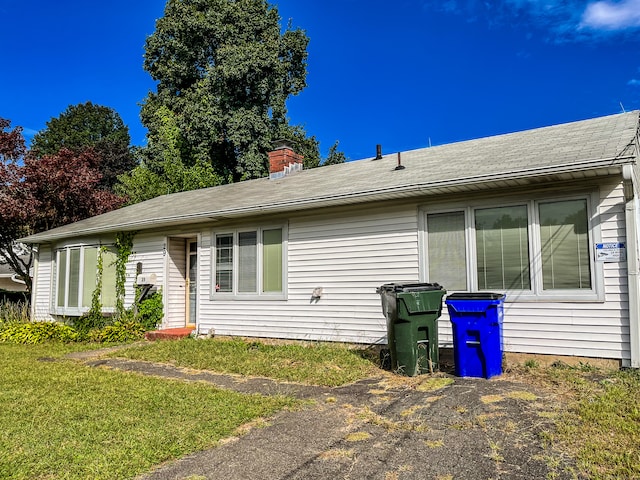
(313, 364)
(62, 420)
(600, 423)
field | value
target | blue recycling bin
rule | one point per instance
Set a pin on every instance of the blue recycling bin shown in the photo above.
(476, 320)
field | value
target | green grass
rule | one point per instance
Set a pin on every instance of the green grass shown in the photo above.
(315, 364)
(599, 421)
(62, 420)
(603, 426)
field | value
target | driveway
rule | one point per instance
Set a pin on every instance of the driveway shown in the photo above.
(436, 427)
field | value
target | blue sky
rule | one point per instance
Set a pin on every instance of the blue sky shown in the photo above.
(404, 74)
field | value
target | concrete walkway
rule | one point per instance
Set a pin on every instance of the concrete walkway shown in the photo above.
(469, 429)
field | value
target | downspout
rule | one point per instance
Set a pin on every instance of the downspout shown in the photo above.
(34, 280)
(631, 224)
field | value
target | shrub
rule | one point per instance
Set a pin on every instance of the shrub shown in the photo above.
(88, 322)
(151, 311)
(37, 332)
(120, 332)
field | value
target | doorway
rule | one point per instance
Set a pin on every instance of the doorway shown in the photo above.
(192, 282)
(181, 299)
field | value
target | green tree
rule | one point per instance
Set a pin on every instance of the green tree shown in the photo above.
(334, 156)
(161, 169)
(225, 70)
(85, 126)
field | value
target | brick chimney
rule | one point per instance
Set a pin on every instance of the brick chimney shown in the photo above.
(283, 160)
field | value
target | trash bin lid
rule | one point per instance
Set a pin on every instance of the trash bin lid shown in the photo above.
(475, 296)
(410, 287)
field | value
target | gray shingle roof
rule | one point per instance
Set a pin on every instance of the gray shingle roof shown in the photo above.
(604, 142)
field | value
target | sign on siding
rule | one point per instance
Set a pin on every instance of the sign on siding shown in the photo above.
(611, 252)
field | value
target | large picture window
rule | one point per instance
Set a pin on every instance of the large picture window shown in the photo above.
(249, 262)
(77, 276)
(533, 249)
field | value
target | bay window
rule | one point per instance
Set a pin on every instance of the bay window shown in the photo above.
(249, 263)
(534, 249)
(77, 276)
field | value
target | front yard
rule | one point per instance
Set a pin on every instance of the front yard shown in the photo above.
(60, 419)
(313, 364)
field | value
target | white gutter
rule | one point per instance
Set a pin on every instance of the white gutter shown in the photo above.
(633, 267)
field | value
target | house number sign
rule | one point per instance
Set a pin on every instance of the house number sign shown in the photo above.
(611, 252)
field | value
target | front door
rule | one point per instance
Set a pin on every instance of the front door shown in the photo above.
(192, 282)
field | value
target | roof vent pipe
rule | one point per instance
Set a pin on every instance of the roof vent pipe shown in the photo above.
(378, 152)
(399, 166)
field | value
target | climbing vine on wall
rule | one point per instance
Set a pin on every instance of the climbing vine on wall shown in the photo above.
(95, 311)
(94, 317)
(124, 246)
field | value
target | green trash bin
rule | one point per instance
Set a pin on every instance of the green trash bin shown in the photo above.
(412, 311)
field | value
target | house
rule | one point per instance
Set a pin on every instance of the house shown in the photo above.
(548, 216)
(9, 281)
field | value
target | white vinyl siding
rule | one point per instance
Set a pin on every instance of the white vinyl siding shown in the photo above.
(348, 253)
(348, 256)
(41, 296)
(149, 249)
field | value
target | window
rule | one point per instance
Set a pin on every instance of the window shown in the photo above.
(502, 248)
(447, 249)
(77, 269)
(250, 263)
(538, 249)
(565, 245)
